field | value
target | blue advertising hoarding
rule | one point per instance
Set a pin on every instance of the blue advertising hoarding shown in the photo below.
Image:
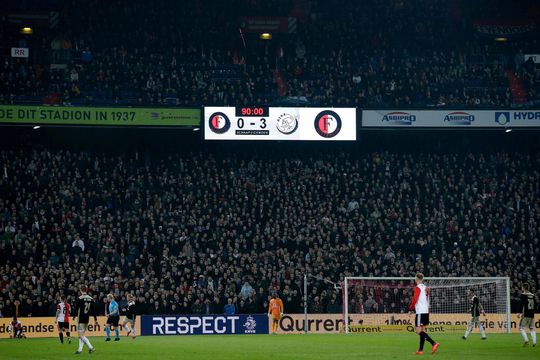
(203, 324)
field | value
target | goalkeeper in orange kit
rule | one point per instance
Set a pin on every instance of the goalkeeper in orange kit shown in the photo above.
(275, 310)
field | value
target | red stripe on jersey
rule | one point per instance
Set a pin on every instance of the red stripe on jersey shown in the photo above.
(415, 298)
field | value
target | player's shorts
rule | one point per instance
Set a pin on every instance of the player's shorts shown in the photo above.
(63, 325)
(475, 319)
(276, 317)
(526, 322)
(422, 319)
(113, 320)
(128, 320)
(82, 326)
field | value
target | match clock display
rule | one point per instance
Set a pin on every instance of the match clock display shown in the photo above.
(279, 123)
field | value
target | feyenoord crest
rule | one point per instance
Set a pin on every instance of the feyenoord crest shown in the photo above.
(219, 123)
(287, 123)
(328, 124)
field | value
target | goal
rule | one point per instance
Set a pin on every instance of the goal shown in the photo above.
(383, 302)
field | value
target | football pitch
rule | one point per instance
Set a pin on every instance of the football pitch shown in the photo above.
(214, 347)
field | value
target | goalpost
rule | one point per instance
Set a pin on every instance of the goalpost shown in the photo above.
(376, 301)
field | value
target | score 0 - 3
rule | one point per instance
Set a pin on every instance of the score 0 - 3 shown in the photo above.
(248, 112)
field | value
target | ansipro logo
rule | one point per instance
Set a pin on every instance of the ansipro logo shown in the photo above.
(459, 118)
(399, 118)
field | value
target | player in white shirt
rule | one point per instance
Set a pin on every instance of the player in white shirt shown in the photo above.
(15, 329)
(63, 309)
(420, 306)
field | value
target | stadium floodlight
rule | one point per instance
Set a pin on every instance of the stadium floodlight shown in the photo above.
(449, 300)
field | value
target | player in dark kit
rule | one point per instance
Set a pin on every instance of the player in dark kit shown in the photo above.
(528, 304)
(476, 309)
(84, 308)
(130, 312)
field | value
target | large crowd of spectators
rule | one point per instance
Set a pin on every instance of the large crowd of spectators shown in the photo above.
(192, 233)
(413, 53)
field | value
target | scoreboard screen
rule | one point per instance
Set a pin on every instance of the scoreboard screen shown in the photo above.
(279, 123)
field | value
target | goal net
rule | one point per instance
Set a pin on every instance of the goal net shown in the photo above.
(372, 304)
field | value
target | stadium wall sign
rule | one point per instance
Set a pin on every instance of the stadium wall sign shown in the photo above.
(204, 324)
(494, 27)
(255, 24)
(535, 57)
(451, 118)
(367, 323)
(42, 327)
(98, 116)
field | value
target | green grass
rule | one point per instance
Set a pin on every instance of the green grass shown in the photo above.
(254, 347)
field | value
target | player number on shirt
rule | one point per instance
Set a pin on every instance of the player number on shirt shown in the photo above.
(530, 304)
(86, 308)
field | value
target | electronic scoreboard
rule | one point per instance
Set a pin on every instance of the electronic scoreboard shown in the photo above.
(279, 123)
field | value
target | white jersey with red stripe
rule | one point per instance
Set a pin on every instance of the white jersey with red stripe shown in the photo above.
(64, 310)
(420, 302)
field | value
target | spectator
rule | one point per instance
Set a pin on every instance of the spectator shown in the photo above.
(230, 309)
(78, 244)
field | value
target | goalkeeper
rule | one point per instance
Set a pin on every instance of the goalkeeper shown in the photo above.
(476, 309)
(275, 311)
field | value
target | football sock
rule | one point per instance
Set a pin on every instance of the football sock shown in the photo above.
(87, 342)
(524, 335)
(482, 331)
(469, 329)
(61, 337)
(117, 332)
(81, 344)
(68, 334)
(422, 341)
(133, 331)
(108, 332)
(428, 338)
(533, 335)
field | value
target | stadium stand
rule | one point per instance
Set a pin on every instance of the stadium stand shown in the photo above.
(202, 57)
(186, 232)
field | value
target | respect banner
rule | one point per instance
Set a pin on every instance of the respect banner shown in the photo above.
(98, 116)
(42, 327)
(366, 323)
(204, 324)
